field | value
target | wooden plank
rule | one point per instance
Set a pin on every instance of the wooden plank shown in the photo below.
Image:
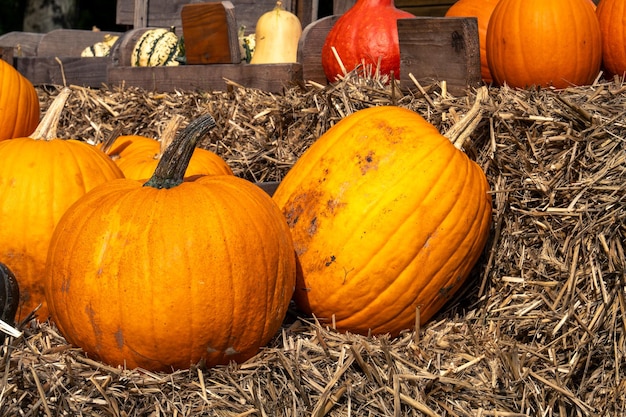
(310, 48)
(210, 33)
(267, 77)
(88, 72)
(166, 13)
(140, 15)
(69, 42)
(24, 43)
(6, 54)
(440, 49)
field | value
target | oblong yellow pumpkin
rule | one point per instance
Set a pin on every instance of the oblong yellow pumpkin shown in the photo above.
(386, 215)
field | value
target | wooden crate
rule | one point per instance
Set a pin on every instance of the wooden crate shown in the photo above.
(214, 62)
(431, 49)
(54, 57)
(166, 13)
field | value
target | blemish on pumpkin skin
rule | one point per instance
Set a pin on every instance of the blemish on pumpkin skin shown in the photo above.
(312, 226)
(230, 351)
(367, 162)
(94, 324)
(332, 259)
(119, 338)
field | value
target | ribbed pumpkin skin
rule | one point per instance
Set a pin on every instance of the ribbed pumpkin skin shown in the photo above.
(612, 20)
(39, 180)
(162, 278)
(19, 104)
(137, 157)
(544, 43)
(386, 215)
(366, 32)
(481, 9)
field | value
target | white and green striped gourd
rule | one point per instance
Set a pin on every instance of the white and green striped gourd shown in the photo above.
(157, 47)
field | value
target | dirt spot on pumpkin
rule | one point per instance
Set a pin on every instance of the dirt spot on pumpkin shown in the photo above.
(312, 226)
(367, 162)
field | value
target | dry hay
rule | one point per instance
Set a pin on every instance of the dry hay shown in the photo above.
(538, 331)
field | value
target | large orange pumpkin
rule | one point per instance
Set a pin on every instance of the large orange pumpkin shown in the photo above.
(386, 216)
(19, 103)
(612, 20)
(40, 176)
(137, 156)
(366, 34)
(544, 43)
(169, 273)
(481, 9)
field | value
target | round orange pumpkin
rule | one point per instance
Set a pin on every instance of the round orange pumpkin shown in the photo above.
(544, 43)
(169, 273)
(481, 9)
(386, 216)
(366, 34)
(611, 18)
(138, 156)
(40, 176)
(19, 104)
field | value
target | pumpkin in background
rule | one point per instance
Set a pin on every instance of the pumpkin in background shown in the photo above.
(544, 43)
(277, 34)
(169, 273)
(611, 17)
(19, 103)
(157, 47)
(138, 156)
(367, 33)
(481, 9)
(386, 216)
(40, 176)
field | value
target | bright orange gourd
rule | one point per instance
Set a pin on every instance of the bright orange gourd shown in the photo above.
(138, 156)
(612, 17)
(367, 33)
(164, 274)
(386, 216)
(19, 104)
(544, 43)
(40, 176)
(481, 9)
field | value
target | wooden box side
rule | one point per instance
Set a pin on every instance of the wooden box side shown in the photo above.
(166, 13)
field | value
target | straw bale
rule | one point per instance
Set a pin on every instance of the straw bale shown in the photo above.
(538, 330)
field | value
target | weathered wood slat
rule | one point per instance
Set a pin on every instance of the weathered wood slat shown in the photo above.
(440, 49)
(267, 77)
(69, 42)
(23, 43)
(310, 48)
(88, 72)
(210, 33)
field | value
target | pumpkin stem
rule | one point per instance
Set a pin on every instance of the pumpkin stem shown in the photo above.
(47, 128)
(171, 168)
